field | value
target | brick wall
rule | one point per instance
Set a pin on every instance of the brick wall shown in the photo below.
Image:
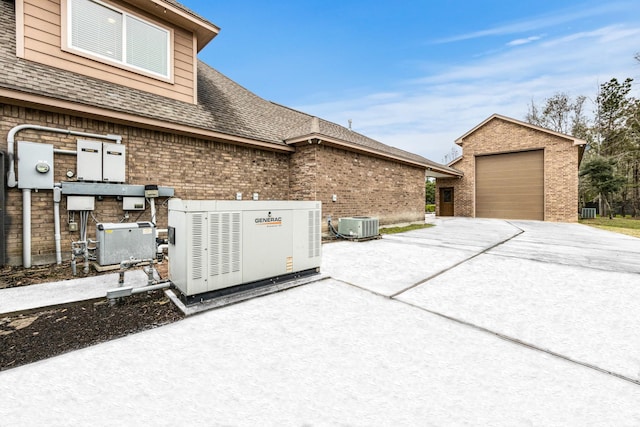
(500, 136)
(196, 169)
(363, 185)
(199, 169)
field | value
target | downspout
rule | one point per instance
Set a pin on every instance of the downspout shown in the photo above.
(26, 193)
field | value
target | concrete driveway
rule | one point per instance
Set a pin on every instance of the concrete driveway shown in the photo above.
(472, 322)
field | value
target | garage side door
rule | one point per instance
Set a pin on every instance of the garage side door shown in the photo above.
(510, 186)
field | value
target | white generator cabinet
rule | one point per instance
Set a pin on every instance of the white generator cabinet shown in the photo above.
(216, 244)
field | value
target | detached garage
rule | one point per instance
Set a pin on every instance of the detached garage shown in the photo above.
(513, 170)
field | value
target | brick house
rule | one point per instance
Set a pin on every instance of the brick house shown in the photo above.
(513, 170)
(70, 73)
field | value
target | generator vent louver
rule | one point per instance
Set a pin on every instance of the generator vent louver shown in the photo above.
(196, 245)
(358, 227)
(224, 235)
(314, 234)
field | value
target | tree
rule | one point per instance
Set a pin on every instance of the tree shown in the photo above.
(616, 138)
(612, 133)
(561, 114)
(430, 191)
(612, 109)
(602, 177)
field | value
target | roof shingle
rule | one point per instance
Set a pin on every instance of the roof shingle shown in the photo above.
(223, 105)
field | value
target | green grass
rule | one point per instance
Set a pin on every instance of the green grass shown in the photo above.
(626, 226)
(411, 227)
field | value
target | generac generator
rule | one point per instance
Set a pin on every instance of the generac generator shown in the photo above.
(217, 244)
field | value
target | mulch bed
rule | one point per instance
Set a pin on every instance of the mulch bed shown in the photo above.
(41, 333)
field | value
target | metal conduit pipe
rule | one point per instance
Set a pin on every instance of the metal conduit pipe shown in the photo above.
(69, 152)
(11, 175)
(26, 193)
(126, 291)
(57, 195)
(26, 228)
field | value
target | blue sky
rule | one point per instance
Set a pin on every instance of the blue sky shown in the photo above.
(419, 74)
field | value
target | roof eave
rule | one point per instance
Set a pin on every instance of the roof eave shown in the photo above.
(359, 148)
(576, 141)
(85, 110)
(204, 30)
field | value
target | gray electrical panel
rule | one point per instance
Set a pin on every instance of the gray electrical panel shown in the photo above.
(35, 165)
(122, 241)
(89, 165)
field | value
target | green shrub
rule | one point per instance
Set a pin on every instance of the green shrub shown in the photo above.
(430, 208)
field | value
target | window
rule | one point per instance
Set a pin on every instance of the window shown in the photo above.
(447, 195)
(103, 31)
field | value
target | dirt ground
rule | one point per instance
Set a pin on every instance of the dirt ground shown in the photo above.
(41, 333)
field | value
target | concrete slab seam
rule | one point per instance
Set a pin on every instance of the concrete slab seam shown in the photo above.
(433, 276)
(361, 288)
(525, 344)
(586, 267)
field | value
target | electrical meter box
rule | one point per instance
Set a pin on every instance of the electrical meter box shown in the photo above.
(219, 244)
(113, 162)
(35, 165)
(89, 162)
(122, 241)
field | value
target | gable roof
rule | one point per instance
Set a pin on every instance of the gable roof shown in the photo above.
(574, 140)
(226, 111)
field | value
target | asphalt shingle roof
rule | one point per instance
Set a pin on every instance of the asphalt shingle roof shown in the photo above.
(223, 105)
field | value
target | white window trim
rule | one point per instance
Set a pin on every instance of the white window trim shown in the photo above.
(67, 43)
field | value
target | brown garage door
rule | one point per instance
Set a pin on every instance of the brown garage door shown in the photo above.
(510, 186)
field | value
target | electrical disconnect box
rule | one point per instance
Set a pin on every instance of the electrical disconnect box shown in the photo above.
(81, 203)
(113, 162)
(89, 164)
(99, 161)
(221, 244)
(122, 241)
(35, 165)
(133, 204)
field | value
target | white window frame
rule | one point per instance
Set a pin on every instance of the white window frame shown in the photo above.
(121, 63)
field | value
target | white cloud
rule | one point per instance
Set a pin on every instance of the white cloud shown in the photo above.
(519, 42)
(540, 22)
(428, 114)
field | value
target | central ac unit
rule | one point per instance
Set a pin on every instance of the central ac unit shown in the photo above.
(358, 227)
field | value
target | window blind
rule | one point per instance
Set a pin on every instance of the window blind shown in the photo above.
(116, 35)
(146, 46)
(97, 29)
